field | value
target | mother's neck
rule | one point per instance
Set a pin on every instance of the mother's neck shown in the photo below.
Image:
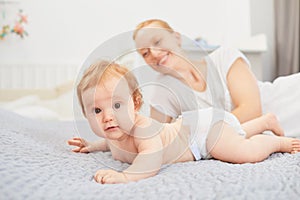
(193, 74)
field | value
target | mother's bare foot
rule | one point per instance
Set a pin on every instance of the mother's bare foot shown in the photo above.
(289, 145)
(273, 124)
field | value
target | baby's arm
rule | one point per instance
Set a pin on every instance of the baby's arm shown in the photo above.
(84, 146)
(146, 164)
(148, 161)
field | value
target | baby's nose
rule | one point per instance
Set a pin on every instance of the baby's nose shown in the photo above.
(108, 115)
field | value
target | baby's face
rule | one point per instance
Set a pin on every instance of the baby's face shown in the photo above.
(109, 108)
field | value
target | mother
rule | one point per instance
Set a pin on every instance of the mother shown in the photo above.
(222, 78)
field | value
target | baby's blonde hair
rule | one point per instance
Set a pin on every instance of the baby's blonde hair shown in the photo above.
(159, 22)
(102, 71)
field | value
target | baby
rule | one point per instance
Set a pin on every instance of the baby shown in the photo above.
(110, 100)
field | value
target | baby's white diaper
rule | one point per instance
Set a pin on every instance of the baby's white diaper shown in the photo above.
(200, 121)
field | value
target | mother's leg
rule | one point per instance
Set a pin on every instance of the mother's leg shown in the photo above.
(225, 144)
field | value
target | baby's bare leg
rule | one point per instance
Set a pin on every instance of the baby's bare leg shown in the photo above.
(225, 144)
(267, 122)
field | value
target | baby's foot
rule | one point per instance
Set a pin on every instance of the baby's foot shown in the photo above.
(273, 124)
(289, 145)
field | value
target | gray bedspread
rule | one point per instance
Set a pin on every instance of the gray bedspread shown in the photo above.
(36, 163)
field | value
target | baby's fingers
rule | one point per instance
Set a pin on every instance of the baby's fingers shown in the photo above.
(81, 150)
(77, 150)
(84, 150)
(76, 142)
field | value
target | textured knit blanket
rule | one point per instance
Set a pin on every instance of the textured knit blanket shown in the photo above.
(36, 163)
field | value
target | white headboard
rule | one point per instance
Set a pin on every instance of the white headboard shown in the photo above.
(35, 75)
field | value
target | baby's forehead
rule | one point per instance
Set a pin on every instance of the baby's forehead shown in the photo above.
(113, 83)
(103, 93)
(114, 87)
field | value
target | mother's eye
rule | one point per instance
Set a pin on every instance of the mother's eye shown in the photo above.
(157, 42)
(145, 54)
(97, 110)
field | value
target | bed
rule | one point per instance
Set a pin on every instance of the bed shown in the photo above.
(36, 163)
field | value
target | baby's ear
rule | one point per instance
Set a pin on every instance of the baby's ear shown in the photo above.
(137, 103)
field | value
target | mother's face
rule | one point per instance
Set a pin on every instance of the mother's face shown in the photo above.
(159, 47)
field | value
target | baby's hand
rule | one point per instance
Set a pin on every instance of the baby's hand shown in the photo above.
(110, 177)
(83, 146)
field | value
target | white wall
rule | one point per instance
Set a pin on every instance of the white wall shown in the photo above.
(262, 21)
(66, 31)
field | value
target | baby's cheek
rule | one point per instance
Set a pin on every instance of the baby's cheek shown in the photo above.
(96, 127)
(125, 120)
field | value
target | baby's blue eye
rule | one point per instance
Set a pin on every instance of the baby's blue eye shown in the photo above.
(97, 110)
(117, 105)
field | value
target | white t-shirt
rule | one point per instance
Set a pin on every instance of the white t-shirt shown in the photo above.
(173, 97)
(282, 97)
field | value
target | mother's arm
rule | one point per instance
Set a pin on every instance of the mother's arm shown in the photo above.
(244, 91)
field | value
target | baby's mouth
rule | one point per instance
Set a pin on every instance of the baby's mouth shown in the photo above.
(111, 128)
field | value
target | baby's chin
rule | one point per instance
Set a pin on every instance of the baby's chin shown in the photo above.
(120, 138)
